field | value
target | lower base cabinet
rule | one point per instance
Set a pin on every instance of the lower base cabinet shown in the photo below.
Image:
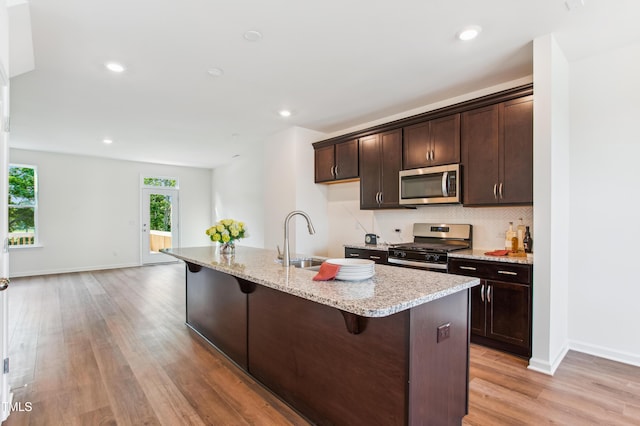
(335, 367)
(501, 305)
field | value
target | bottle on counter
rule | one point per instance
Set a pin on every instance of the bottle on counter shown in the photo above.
(510, 235)
(527, 241)
(520, 234)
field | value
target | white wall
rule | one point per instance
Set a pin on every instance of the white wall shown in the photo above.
(605, 177)
(4, 37)
(289, 186)
(89, 211)
(348, 224)
(238, 190)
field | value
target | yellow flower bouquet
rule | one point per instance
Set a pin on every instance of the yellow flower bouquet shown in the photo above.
(226, 232)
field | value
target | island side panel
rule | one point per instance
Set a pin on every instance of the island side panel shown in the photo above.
(303, 351)
(439, 369)
(217, 309)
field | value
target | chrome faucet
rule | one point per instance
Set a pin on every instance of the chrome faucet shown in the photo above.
(286, 258)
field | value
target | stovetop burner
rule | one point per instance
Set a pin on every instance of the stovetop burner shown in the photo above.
(431, 245)
(442, 247)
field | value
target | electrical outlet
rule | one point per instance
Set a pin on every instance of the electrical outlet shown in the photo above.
(444, 332)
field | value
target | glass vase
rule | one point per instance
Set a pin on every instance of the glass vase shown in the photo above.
(228, 248)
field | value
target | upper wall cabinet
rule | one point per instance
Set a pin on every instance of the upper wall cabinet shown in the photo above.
(432, 143)
(497, 153)
(380, 163)
(336, 162)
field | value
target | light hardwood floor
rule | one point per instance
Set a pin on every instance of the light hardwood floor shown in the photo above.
(111, 347)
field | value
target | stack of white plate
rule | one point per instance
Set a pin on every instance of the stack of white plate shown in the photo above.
(353, 269)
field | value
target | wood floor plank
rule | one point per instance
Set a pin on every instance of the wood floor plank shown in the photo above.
(111, 347)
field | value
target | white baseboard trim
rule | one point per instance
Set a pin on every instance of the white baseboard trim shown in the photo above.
(71, 270)
(602, 352)
(546, 367)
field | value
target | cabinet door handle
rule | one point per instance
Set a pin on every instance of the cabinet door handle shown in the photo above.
(332, 173)
(380, 202)
(469, 268)
(482, 293)
(500, 191)
(336, 170)
(374, 257)
(495, 190)
(507, 273)
(488, 293)
(354, 255)
(432, 155)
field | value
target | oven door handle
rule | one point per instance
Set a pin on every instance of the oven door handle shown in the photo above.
(445, 184)
(423, 265)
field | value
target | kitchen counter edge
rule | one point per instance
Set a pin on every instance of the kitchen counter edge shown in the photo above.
(389, 291)
(476, 254)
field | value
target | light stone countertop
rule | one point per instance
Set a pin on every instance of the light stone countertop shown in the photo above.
(480, 255)
(390, 290)
(476, 254)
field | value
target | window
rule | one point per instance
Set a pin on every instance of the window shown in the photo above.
(160, 182)
(23, 205)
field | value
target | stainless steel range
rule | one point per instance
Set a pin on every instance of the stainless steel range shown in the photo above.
(431, 244)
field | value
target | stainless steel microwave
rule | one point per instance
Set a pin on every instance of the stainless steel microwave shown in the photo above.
(430, 185)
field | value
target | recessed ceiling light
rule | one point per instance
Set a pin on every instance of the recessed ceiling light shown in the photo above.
(215, 72)
(469, 33)
(285, 113)
(115, 67)
(107, 141)
(252, 35)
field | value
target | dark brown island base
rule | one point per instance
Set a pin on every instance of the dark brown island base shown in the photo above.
(391, 350)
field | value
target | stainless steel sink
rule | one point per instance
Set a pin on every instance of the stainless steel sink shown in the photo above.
(310, 263)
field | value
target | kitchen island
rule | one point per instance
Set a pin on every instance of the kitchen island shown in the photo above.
(392, 349)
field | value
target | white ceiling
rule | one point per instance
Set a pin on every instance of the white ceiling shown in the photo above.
(334, 63)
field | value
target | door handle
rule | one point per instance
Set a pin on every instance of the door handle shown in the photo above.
(495, 190)
(336, 170)
(489, 293)
(482, 293)
(500, 191)
(4, 283)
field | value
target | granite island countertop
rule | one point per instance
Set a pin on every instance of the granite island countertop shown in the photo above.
(477, 254)
(389, 291)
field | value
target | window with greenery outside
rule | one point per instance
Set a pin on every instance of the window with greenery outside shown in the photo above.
(22, 205)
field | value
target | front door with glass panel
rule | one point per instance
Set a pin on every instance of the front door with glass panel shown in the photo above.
(159, 224)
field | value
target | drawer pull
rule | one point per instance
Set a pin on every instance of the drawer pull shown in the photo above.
(354, 255)
(507, 273)
(468, 268)
(374, 257)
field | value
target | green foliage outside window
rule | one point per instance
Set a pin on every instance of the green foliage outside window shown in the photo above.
(160, 212)
(22, 205)
(171, 183)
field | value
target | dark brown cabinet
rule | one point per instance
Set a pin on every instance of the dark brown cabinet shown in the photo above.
(336, 162)
(378, 256)
(497, 153)
(380, 164)
(500, 305)
(432, 143)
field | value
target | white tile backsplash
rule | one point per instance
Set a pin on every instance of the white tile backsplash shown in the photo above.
(346, 220)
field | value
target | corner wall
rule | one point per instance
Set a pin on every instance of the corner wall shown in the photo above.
(551, 201)
(89, 212)
(238, 192)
